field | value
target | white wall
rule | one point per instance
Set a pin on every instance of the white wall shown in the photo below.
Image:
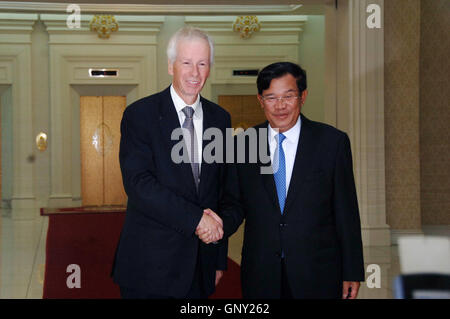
(41, 109)
(6, 145)
(312, 59)
(170, 26)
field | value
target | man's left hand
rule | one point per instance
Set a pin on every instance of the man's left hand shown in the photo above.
(354, 292)
(219, 274)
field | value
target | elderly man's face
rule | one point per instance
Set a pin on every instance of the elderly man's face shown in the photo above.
(190, 69)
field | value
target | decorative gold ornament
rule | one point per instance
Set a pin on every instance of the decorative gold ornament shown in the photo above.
(103, 139)
(246, 25)
(41, 141)
(104, 25)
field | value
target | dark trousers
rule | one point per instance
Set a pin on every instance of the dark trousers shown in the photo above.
(285, 288)
(195, 292)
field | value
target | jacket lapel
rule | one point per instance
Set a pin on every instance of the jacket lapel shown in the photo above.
(303, 162)
(168, 121)
(267, 179)
(209, 121)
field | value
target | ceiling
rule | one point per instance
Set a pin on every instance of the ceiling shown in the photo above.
(193, 2)
(176, 7)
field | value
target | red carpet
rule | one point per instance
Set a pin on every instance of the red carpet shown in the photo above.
(89, 240)
(229, 286)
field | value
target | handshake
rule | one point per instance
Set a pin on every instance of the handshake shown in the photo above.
(210, 228)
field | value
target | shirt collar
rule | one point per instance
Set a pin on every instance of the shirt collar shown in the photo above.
(180, 104)
(292, 135)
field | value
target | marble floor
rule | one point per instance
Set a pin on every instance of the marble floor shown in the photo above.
(22, 257)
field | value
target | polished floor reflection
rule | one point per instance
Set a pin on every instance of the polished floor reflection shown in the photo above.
(23, 236)
(22, 239)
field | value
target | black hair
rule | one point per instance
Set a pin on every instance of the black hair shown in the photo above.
(278, 70)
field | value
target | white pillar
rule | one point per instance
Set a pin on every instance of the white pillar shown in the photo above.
(360, 110)
(15, 61)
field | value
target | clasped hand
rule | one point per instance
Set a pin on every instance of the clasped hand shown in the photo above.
(210, 228)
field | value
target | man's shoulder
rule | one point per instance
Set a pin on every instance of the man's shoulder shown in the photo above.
(211, 106)
(323, 129)
(146, 104)
(319, 128)
(257, 127)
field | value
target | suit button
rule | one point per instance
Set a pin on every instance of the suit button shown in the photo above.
(283, 225)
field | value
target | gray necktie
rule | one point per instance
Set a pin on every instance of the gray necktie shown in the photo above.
(191, 142)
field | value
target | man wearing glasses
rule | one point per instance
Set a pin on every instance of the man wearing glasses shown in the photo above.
(302, 234)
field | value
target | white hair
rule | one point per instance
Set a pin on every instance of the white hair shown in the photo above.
(188, 33)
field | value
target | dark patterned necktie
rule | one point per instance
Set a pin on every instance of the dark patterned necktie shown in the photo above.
(280, 174)
(191, 142)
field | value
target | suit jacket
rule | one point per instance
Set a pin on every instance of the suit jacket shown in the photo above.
(319, 231)
(158, 249)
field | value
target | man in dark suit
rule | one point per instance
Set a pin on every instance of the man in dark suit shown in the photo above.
(159, 254)
(302, 236)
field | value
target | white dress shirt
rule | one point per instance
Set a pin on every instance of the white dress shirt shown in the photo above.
(198, 119)
(289, 147)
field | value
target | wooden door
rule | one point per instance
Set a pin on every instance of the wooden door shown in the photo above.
(101, 179)
(245, 110)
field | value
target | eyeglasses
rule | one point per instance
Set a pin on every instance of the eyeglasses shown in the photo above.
(288, 99)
